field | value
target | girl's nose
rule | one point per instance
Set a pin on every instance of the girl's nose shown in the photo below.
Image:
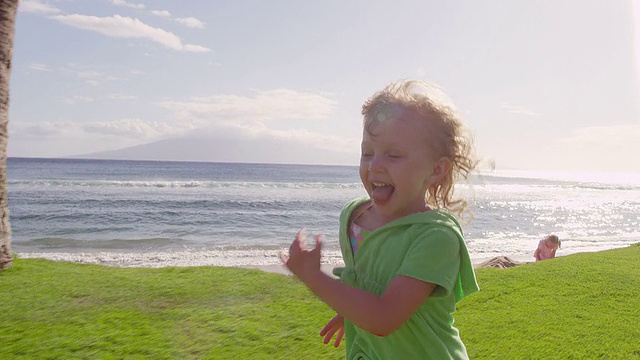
(376, 164)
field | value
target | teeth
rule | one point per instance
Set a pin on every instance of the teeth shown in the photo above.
(378, 184)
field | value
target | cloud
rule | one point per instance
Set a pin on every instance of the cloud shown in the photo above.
(88, 75)
(312, 139)
(600, 148)
(196, 48)
(191, 22)
(132, 128)
(125, 27)
(84, 137)
(244, 117)
(162, 13)
(127, 4)
(37, 7)
(137, 130)
(121, 97)
(265, 105)
(78, 99)
(109, 135)
(41, 130)
(243, 132)
(39, 67)
(66, 138)
(612, 136)
(519, 110)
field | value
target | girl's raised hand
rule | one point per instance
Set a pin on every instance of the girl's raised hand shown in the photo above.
(301, 260)
(335, 325)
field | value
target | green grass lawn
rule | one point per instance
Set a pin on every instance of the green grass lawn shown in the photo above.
(582, 306)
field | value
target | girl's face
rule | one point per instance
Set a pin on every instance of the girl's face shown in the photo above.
(396, 166)
(550, 244)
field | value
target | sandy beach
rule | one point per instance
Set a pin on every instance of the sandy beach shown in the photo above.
(496, 262)
(267, 261)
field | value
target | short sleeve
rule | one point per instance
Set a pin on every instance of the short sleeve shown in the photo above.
(434, 257)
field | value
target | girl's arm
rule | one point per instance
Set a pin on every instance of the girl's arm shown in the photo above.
(379, 315)
(553, 253)
(536, 254)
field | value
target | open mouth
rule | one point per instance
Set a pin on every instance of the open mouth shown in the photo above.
(381, 192)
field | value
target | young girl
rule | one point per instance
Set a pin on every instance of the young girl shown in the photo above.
(547, 248)
(406, 263)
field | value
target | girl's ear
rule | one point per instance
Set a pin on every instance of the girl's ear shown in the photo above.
(440, 169)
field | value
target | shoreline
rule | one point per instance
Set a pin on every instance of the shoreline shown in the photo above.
(264, 260)
(267, 260)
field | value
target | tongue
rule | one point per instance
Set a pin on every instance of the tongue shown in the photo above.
(381, 193)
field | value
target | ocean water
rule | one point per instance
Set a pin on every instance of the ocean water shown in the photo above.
(150, 213)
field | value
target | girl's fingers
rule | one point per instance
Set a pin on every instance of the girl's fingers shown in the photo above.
(329, 335)
(329, 331)
(283, 257)
(339, 336)
(301, 238)
(334, 325)
(327, 327)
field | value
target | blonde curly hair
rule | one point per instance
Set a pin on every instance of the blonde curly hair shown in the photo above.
(449, 138)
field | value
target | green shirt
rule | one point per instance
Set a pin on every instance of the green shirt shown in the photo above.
(427, 246)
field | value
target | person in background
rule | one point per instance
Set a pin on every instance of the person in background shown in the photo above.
(547, 248)
(406, 261)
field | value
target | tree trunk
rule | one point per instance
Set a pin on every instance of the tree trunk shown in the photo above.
(8, 9)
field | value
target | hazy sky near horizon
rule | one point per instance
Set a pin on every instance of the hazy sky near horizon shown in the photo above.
(542, 85)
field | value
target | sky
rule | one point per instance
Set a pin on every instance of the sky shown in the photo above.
(541, 85)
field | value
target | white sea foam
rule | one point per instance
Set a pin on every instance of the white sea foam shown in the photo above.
(237, 258)
(252, 258)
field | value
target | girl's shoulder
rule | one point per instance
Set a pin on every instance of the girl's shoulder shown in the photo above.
(351, 208)
(354, 204)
